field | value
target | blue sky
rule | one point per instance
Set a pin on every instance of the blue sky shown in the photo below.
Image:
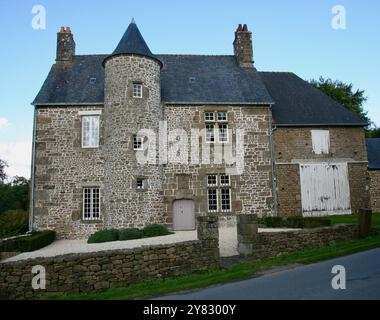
(292, 35)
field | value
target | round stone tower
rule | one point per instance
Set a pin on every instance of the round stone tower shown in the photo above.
(133, 193)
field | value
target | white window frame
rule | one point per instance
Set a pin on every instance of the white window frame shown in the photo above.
(137, 90)
(92, 213)
(207, 118)
(89, 118)
(229, 199)
(211, 185)
(222, 120)
(216, 198)
(225, 184)
(320, 141)
(225, 133)
(142, 185)
(210, 134)
(136, 138)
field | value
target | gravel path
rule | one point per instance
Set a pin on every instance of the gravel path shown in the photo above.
(227, 244)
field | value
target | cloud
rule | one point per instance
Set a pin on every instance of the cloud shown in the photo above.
(4, 122)
(18, 156)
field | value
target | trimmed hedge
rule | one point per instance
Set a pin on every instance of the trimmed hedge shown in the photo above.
(130, 234)
(155, 230)
(295, 222)
(104, 236)
(36, 240)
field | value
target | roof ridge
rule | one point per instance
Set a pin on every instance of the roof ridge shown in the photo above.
(194, 55)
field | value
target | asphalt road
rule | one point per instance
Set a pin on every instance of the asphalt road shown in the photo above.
(303, 282)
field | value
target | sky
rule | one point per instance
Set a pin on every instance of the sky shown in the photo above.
(300, 36)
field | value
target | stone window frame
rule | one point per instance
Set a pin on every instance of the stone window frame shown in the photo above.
(144, 181)
(218, 188)
(87, 190)
(137, 90)
(218, 125)
(90, 114)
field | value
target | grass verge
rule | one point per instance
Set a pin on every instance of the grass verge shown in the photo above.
(239, 271)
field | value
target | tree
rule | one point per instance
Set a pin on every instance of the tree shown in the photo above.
(344, 94)
(373, 133)
(3, 175)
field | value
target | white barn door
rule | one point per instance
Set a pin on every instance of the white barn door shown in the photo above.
(324, 189)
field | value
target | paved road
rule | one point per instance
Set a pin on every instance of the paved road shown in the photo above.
(303, 282)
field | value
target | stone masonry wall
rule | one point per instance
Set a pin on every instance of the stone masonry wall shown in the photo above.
(294, 145)
(375, 189)
(95, 271)
(251, 191)
(63, 168)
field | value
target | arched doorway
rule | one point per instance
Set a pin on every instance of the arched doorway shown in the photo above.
(183, 215)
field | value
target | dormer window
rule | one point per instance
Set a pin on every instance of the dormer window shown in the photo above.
(137, 90)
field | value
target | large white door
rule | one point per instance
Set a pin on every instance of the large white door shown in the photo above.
(325, 189)
(183, 215)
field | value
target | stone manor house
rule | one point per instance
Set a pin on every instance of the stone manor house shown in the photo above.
(303, 153)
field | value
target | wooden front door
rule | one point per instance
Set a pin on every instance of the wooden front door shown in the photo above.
(183, 215)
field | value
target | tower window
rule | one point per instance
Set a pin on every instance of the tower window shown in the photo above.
(140, 183)
(137, 90)
(137, 143)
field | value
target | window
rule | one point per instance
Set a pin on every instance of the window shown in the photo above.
(90, 131)
(321, 141)
(140, 183)
(212, 200)
(211, 181)
(91, 204)
(214, 191)
(137, 143)
(210, 133)
(209, 116)
(222, 116)
(225, 195)
(224, 180)
(137, 90)
(223, 132)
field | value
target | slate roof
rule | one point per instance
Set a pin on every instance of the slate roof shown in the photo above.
(373, 151)
(299, 103)
(184, 79)
(133, 42)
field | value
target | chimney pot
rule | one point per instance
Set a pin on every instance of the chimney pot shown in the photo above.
(62, 30)
(245, 28)
(239, 28)
(68, 30)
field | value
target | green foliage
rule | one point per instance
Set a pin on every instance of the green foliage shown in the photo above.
(373, 132)
(155, 230)
(13, 223)
(343, 93)
(105, 235)
(3, 175)
(14, 195)
(36, 240)
(272, 222)
(295, 222)
(130, 234)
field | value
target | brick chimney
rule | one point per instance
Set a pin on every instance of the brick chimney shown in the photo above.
(65, 45)
(243, 46)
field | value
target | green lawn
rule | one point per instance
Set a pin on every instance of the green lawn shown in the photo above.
(353, 218)
(238, 271)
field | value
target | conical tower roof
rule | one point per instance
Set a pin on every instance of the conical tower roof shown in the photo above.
(133, 42)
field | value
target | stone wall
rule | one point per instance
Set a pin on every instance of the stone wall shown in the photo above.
(63, 168)
(89, 272)
(293, 146)
(375, 189)
(270, 244)
(251, 191)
